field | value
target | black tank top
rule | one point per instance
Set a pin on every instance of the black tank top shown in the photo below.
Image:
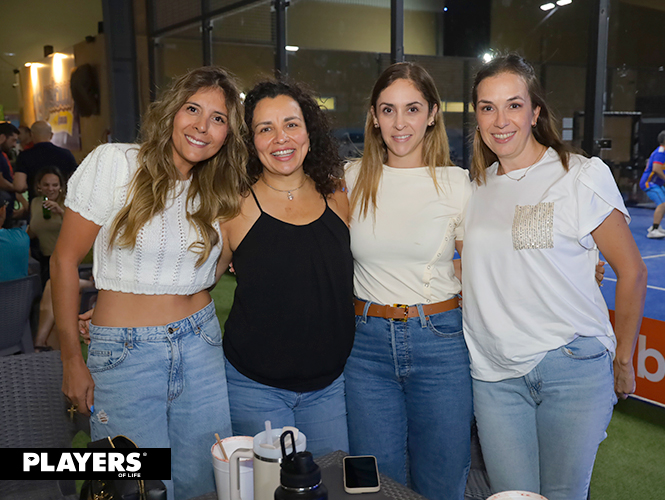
(292, 323)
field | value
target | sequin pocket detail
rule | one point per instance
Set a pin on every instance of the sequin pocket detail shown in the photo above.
(533, 226)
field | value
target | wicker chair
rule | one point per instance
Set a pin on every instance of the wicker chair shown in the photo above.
(16, 301)
(33, 414)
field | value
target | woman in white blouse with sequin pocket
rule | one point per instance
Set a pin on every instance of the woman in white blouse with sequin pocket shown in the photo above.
(547, 366)
(155, 370)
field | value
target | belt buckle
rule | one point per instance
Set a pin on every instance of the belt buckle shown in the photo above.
(405, 307)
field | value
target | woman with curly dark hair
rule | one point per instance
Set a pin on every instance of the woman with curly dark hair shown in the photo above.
(291, 326)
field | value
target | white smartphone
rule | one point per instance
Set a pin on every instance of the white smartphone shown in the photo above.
(361, 474)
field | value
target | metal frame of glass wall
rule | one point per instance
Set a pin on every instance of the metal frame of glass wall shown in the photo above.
(197, 16)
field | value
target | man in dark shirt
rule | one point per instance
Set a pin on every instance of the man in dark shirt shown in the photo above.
(25, 137)
(8, 137)
(43, 154)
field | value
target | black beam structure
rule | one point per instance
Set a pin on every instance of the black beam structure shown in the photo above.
(152, 49)
(122, 73)
(467, 141)
(206, 33)
(396, 31)
(596, 77)
(281, 67)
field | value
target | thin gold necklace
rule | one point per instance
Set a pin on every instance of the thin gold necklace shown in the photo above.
(287, 191)
(527, 170)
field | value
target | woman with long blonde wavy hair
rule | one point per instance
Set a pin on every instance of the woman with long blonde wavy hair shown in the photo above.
(155, 369)
(408, 374)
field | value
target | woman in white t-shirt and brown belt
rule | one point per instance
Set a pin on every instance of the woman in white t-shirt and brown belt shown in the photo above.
(407, 379)
(545, 360)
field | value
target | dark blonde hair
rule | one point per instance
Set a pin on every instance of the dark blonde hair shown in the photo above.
(545, 131)
(217, 181)
(436, 151)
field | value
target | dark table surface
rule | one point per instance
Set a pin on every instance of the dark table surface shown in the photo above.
(331, 472)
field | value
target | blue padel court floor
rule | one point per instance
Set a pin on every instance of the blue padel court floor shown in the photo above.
(653, 253)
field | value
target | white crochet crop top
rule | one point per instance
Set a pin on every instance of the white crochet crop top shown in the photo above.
(161, 263)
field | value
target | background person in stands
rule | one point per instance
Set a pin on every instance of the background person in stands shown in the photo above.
(8, 135)
(43, 154)
(50, 200)
(25, 137)
(652, 182)
(14, 246)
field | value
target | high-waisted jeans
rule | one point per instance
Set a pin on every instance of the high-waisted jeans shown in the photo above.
(164, 387)
(320, 415)
(409, 402)
(541, 432)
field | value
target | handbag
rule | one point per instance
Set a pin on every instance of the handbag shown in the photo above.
(121, 489)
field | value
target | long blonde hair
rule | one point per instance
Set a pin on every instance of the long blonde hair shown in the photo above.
(217, 181)
(436, 152)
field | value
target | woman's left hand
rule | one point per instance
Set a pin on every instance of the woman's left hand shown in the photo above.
(624, 379)
(600, 272)
(53, 207)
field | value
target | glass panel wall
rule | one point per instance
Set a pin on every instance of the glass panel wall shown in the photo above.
(635, 112)
(339, 48)
(177, 53)
(242, 40)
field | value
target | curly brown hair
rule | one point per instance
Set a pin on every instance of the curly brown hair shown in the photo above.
(322, 163)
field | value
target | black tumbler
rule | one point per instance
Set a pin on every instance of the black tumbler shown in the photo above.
(300, 477)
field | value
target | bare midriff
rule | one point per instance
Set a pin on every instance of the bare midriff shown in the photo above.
(119, 309)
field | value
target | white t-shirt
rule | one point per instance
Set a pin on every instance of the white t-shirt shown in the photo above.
(529, 263)
(161, 262)
(403, 252)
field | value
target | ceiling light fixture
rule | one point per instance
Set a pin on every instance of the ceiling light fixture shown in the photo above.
(547, 6)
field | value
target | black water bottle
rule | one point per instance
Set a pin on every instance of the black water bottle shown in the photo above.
(300, 477)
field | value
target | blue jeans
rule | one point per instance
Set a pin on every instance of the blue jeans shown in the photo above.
(164, 387)
(408, 395)
(320, 415)
(541, 432)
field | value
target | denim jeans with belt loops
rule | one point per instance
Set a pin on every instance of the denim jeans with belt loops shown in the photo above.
(164, 387)
(409, 401)
(541, 432)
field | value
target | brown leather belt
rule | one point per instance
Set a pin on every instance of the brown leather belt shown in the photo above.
(403, 312)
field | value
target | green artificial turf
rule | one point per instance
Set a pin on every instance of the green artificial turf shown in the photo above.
(631, 462)
(222, 295)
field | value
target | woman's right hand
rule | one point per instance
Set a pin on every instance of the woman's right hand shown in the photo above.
(78, 386)
(84, 325)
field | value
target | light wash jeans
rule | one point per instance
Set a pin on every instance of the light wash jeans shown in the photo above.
(541, 432)
(320, 415)
(164, 387)
(408, 395)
